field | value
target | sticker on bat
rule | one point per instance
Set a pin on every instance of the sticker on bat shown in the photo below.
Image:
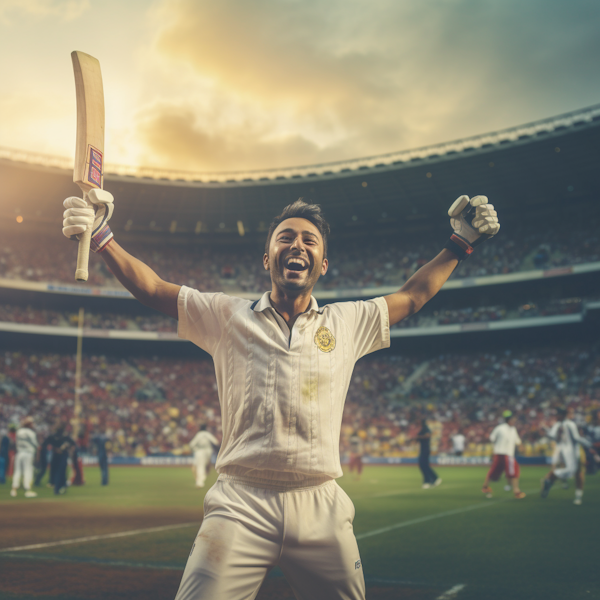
(94, 176)
(96, 158)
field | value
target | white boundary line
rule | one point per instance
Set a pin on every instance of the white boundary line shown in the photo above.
(446, 513)
(360, 536)
(452, 592)
(396, 493)
(106, 536)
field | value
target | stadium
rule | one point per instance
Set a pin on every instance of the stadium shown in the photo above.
(515, 328)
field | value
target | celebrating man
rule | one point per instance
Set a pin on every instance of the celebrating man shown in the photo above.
(283, 367)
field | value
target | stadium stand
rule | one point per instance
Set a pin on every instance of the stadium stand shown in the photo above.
(388, 217)
(154, 405)
(368, 263)
(14, 313)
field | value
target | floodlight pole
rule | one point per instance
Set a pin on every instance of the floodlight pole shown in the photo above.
(77, 404)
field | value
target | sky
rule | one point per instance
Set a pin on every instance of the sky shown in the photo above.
(205, 85)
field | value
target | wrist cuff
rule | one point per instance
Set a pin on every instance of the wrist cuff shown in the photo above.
(101, 239)
(459, 246)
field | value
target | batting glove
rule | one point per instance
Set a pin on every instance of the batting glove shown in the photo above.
(81, 214)
(473, 221)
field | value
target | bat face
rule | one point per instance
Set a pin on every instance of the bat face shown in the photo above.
(88, 172)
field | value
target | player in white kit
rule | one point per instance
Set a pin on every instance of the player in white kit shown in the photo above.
(505, 439)
(458, 443)
(202, 445)
(283, 367)
(567, 459)
(27, 445)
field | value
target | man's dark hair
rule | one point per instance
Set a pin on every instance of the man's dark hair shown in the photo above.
(301, 210)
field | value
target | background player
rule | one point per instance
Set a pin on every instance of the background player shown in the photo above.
(356, 454)
(276, 362)
(505, 439)
(458, 443)
(202, 445)
(592, 433)
(27, 446)
(62, 446)
(4, 445)
(430, 477)
(101, 441)
(43, 459)
(567, 457)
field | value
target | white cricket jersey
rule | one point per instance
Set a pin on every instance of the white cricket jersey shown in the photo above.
(458, 442)
(26, 441)
(566, 435)
(505, 438)
(203, 440)
(281, 395)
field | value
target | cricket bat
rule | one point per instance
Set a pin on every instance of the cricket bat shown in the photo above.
(88, 170)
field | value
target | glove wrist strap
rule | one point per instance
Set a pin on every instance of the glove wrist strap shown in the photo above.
(101, 238)
(459, 246)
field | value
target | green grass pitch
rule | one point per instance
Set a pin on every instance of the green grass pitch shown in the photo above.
(443, 537)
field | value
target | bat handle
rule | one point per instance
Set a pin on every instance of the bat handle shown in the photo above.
(83, 252)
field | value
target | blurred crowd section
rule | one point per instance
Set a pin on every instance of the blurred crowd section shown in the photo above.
(357, 262)
(14, 313)
(151, 406)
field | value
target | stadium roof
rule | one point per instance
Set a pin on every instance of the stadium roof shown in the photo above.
(553, 160)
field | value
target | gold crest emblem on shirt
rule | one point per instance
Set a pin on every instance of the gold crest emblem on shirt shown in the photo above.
(324, 340)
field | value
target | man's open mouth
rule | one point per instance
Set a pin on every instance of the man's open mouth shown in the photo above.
(296, 264)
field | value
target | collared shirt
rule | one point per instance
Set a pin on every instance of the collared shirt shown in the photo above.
(458, 442)
(505, 438)
(281, 392)
(566, 435)
(26, 441)
(204, 440)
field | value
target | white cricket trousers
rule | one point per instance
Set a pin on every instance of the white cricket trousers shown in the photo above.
(201, 460)
(24, 469)
(247, 530)
(569, 458)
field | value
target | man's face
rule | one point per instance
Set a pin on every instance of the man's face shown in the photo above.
(295, 258)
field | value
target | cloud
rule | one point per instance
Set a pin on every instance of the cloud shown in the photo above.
(173, 135)
(296, 81)
(67, 10)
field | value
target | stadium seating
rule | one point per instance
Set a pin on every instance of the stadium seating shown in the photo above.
(14, 313)
(154, 405)
(369, 263)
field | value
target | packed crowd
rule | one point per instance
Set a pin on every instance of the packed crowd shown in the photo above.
(468, 393)
(363, 262)
(14, 313)
(152, 406)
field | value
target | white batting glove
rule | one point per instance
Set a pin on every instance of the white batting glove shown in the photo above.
(473, 221)
(80, 215)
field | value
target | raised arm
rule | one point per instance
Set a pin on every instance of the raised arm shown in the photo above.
(141, 280)
(421, 287)
(145, 285)
(473, 221)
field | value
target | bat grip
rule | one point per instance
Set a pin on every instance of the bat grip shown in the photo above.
(83, 251)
